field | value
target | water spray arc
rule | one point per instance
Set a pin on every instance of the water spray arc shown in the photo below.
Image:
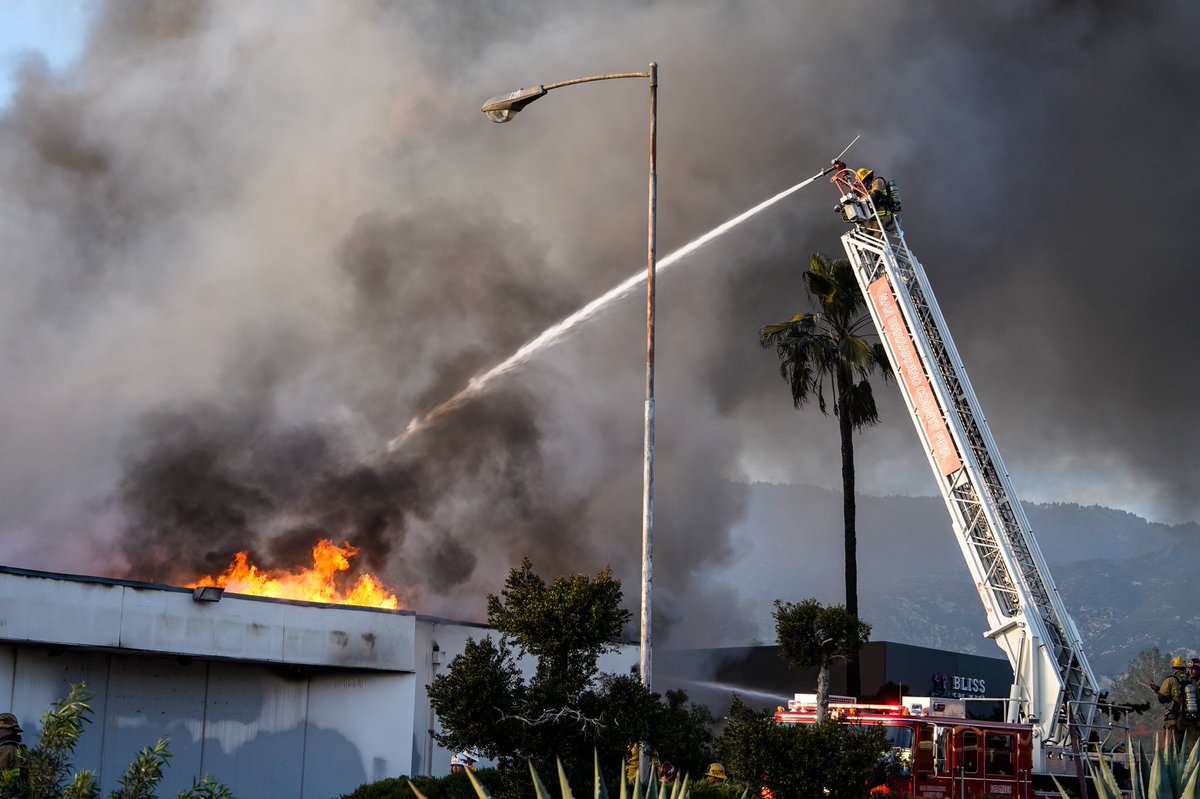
(559, 330)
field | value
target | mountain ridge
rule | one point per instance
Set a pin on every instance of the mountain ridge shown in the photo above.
(1123, 579)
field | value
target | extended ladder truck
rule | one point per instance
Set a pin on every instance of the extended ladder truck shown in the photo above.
(1053, 708)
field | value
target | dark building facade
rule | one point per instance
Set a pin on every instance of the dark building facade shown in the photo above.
(762, 678)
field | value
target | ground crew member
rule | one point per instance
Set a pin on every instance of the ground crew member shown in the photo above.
(632, 764)
(10, 741)
(715, 774)
(880, 192)
(1191, 714)
(463, 761)
(1175, 694)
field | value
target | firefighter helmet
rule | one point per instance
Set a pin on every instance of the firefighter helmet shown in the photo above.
(1194, 663)
(1178, 663)
(9, 722)
(865, 174)
(716, 771)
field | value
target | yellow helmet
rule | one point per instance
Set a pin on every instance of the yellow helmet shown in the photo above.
(1178, 663)
(716, 771)
(865, 174)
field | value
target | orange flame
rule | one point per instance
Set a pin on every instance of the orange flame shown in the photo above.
(317, 584)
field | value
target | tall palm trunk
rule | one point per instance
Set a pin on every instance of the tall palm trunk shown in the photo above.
(845, 424)
(847, 430)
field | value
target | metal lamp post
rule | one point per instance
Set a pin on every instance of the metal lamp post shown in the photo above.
(503, 109)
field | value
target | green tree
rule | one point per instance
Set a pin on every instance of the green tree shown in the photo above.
(46, 772)
(831, 346)
(565, 625)
(1136, 688)
(826, 759)
(567, 709)
(684, 734)
(811, 635)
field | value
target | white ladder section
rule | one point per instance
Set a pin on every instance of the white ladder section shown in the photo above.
(1025, 612)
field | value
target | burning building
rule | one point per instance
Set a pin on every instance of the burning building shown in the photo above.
(274, 697)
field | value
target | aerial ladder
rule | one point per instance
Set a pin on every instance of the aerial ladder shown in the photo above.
(1053, 688)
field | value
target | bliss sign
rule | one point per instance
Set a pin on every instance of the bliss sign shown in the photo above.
(958, 686)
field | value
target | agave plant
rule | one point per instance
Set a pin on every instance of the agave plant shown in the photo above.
(653, 789)
(1174, 773)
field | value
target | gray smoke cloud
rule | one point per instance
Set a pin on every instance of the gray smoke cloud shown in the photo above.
(245, 243)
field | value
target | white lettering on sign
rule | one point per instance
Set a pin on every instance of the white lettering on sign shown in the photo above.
(919, 391)
(973, 685)
(996, 789)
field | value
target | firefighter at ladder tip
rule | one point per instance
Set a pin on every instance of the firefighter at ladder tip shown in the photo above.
(1179, 693)
(884, 194)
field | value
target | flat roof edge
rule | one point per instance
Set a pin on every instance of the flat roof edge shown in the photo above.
(145, 586)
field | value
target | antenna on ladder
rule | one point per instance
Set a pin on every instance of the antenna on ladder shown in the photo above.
(848, 146)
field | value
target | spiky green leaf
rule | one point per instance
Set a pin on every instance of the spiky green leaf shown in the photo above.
(599, 790)
(480, 791)
(539, 787)
(564, 786)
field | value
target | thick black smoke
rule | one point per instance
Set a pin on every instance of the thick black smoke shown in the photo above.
(246, 243)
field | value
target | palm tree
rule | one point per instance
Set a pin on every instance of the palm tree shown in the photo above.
(830, 346)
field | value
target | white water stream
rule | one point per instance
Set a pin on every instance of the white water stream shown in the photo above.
(555, 333)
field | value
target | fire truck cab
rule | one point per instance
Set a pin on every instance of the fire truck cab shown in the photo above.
(936, 751)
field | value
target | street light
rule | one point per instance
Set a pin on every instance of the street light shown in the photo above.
(502, 109)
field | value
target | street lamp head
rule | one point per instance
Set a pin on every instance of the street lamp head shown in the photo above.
(506, 106)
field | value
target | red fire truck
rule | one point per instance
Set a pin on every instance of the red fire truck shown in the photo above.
(937, 752)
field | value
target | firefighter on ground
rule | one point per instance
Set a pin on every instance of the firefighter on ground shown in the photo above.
(880, 192)
(10, 741)
(1192, 719)
(715, 774)
(463, 761)
(1178, 693)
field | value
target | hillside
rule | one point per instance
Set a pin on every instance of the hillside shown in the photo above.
(1125, 580)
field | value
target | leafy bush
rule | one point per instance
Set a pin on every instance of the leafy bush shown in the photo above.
(453, 786)
(652, 790)
(830, 758)
(706, 790)
(45, 769)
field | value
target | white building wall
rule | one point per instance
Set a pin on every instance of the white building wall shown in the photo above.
(275, 699)
(428, 758)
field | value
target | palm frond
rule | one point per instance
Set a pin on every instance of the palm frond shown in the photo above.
(861, 402)
(816, 347)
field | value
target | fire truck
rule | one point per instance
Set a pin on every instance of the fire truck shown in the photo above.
(936, 751)
(1052, 719)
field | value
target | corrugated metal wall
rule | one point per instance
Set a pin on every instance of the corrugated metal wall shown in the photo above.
(278, 700)
(266, 731)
